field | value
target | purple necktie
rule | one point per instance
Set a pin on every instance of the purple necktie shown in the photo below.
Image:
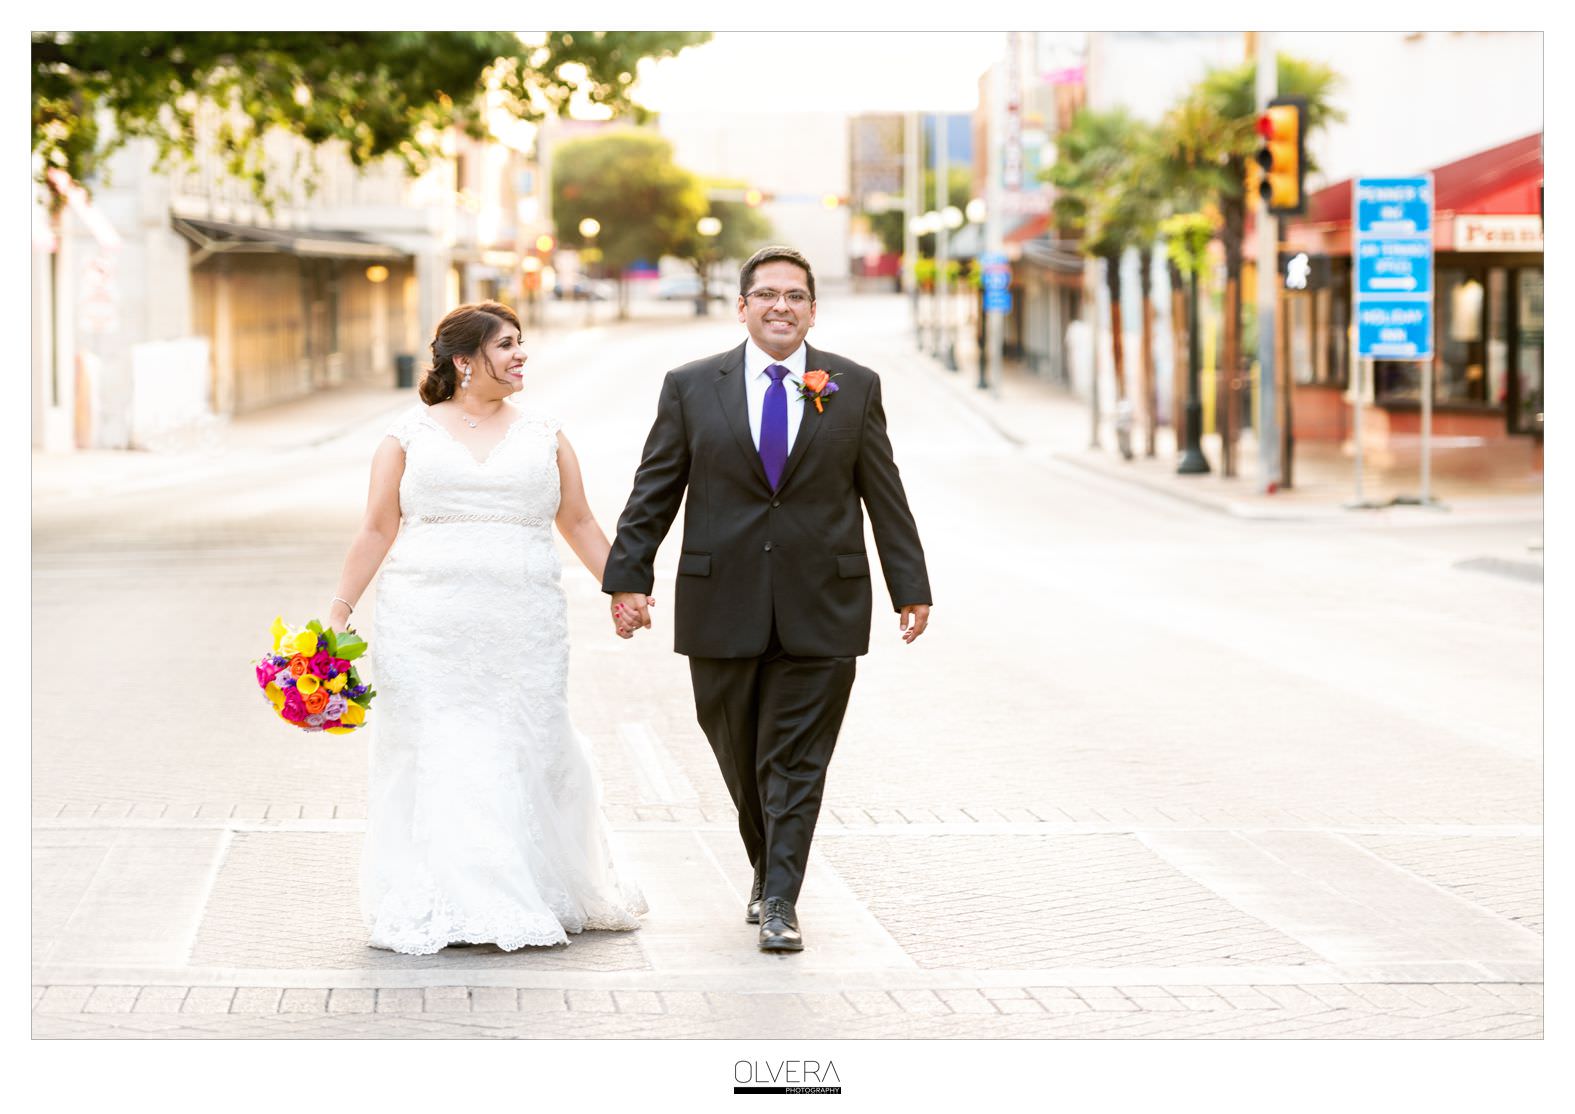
(773, 426)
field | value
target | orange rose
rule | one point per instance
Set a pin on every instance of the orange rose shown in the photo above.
(316, 702)
(816, 380)
(298, 665)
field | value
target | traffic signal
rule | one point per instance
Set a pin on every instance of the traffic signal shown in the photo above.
(1281, 155)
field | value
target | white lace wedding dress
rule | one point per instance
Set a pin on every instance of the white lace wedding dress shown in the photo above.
(483, 816)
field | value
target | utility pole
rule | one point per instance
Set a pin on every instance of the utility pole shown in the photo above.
(1267, 88)
(943, 198)
(912, 180)
(994, 229)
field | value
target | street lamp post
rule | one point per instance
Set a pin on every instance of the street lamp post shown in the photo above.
(931, 226)
(709, 228)
(951, 220)
(589, 227)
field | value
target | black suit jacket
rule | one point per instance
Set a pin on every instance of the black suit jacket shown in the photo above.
(749, 552)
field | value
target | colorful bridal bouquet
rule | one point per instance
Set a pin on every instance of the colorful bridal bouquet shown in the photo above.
(310, 681)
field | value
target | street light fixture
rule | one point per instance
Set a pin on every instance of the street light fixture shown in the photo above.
(709, 228)
(589, 227)
(952, 218)
(976, 211)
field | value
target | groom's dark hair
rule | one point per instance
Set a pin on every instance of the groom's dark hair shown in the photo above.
(768, 255)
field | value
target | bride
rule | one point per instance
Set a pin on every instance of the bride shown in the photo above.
(483, 814)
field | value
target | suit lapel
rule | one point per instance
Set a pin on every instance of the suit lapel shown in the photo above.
(809, 424)
(733, 396)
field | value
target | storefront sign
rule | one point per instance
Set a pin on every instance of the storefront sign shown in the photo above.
(1498, 233)
(1394, 330)
(1392, 243)
(1397, 266)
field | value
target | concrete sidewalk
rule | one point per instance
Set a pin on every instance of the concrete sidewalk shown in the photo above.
(1042, 417)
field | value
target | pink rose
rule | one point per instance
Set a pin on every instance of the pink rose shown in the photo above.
(265, 674)
(342, 665)
(320, 663)
(294, 706)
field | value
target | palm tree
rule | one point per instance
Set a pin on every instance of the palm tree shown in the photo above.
(1107, 196)
(1211, 135)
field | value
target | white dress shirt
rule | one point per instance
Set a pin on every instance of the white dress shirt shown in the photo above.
(756, 381)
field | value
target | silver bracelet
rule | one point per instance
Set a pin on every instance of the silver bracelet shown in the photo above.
(348, 608)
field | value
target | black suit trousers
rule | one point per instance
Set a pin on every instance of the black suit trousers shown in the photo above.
(772, 722)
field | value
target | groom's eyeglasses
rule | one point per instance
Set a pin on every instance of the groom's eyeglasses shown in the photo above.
(765, 299)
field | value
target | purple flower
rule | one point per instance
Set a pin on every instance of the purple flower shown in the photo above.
(831, 389)
(315, 719)
(336, 706)
(284, 679)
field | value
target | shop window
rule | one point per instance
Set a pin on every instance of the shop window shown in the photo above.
(1299, 334)
(1460, 364)
(1528, 350)
(1498, 336)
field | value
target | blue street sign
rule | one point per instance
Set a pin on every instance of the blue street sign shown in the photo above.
(992, 259)
(997, 301)
(1398, 330)
(1393, 206)
(1394, 266)
(995, 278)
(1392, 256)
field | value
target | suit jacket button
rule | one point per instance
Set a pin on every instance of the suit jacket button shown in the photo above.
(768, 547)
(776, 502)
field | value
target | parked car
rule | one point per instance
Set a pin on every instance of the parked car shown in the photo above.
(583, 289)
(685, 288)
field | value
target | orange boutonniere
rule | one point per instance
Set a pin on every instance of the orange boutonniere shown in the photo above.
(817, 386)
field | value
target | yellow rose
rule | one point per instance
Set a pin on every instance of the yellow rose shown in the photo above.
(305, 642)
(337, 683)
(307, 683)
(279, 630)
(275, 695)
(354, 713)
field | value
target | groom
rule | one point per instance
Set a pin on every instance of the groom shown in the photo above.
(777, 443)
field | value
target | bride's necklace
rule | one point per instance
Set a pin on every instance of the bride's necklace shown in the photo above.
(473, 422)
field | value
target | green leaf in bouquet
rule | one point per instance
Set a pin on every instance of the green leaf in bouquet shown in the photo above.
(351, 646)
(333, 642)
(365, 699)
(315, 627)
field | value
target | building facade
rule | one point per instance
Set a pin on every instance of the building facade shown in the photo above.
(170, 297)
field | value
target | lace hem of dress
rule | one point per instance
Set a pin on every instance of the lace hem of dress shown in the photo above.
(506, 925)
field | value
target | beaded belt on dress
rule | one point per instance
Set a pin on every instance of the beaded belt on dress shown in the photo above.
(513, 519)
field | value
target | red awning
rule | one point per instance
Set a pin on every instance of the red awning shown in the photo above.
(1501, 180)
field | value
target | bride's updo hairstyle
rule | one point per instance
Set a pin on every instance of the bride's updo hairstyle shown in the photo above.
(464, 332)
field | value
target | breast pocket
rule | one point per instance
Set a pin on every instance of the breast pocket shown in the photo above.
(846, 433)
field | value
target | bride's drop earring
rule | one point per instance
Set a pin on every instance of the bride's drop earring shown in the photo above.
(464, 383)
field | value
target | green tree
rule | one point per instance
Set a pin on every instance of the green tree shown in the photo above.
(627, 181)
(744, 230)
(1208, 139)
(380, 93)
(1105, 195)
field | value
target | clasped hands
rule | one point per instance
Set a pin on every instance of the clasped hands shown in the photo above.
(630, 612)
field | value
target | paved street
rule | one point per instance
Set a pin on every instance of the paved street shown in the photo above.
(1154, 771)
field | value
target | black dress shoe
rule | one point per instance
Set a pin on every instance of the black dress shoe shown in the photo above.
(779, 926)
(752, 914)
